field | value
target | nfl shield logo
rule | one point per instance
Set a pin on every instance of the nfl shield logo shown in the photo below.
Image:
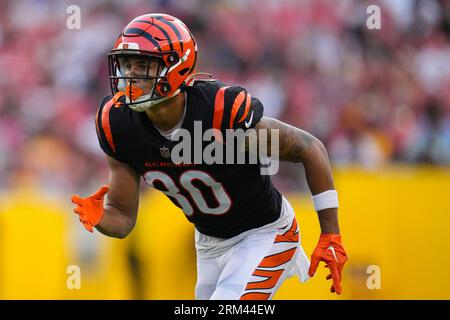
(165, 152)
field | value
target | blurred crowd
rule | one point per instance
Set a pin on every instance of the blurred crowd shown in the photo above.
(372, 96)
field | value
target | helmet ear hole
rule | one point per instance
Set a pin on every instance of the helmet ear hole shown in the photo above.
(173, 58)
(165, 88)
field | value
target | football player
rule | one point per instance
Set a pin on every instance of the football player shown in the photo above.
(246, 235)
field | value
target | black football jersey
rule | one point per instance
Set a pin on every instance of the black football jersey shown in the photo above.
(222, 200)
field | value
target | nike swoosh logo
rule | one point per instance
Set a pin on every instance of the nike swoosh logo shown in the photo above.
(247, 124)
(331, 248)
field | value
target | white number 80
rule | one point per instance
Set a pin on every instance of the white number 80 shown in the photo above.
(186, 180)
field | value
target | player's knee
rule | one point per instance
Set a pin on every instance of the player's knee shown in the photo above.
(204, 291)
(227, 292)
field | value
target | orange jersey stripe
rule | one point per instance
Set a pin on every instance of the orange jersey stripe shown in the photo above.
(236, 104)
(277, 259)
(96, 123)
(218, 109)
(167, 22)
(247, 108)
(105, 123)
(255, 296)
(140, 24)
(272, 279)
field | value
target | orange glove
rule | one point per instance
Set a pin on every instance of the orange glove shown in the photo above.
(330, 250)
(90, 209)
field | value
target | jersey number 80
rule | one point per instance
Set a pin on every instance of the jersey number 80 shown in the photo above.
(186, 179)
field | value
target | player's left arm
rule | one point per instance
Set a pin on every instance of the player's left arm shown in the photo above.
(296, 145)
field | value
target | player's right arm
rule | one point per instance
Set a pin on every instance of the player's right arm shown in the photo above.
(121, 202)
(115, 214)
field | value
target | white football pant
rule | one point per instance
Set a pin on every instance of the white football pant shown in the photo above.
(251, 265)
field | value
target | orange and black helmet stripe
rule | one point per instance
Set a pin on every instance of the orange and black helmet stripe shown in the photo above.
(195, 46)
(195, 62)
(172, 27)
(168, 33)
(163, 31)
(133, 32)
